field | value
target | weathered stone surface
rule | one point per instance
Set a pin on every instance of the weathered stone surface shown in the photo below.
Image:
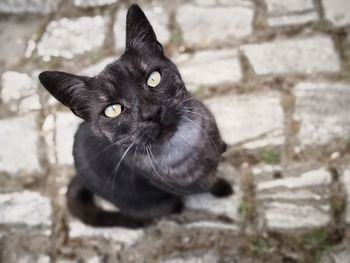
(35, 258)
(292, 216)
(93, 3)
(123, 235)
(28, 208)
(14, 35)
(293, 19)
(346, 181)
(206, 258)
(296, 202)
(287, 6)
(19, 150)
(68, 37)
(28, 6)
(310, 178)
(337, 11)
(323, 111)
(228, 206)
(213, 225)
(253, 117)
(16, 85)
(206, 26)
(66, 126)
(338, 254)
(210, 68)
(158, 18)
(294, 56)
(19, 91)
(95, 69)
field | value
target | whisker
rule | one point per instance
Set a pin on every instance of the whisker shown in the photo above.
(196, 113)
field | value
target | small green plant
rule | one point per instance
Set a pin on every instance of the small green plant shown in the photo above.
(260, 246)
(271, 156)
(317, 242)
(243, 210)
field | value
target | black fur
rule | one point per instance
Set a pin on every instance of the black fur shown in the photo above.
(165, 144)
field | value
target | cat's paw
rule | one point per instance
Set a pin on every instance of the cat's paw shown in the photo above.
(178, 207)
(138, 223)
(221, 188)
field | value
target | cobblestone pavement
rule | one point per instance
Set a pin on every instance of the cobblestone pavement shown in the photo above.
(275, 73)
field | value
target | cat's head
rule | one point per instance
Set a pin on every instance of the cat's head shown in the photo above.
(137, 98)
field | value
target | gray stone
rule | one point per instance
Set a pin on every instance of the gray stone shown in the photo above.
(294, 56)
(93, 3)
(28, 6)
(323, 111)
(228, 206)
(249, 118)
(16, 85)
(293, 19)
(68, 37)
(310, 178)
(212, 67)
(19, 91)
(118, 234)
(287, 216)
(95, 69)
(346, 181)
(15, 33)
(337, 11)
(206, 26)
(213, 225)
(288, 6)
(158, 18)
(203, 258)
(66, 126)
(34, 259)
(19, 151)
(337, 254)
(27, 207)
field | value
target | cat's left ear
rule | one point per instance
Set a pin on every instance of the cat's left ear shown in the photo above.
(140, 35)
(69, 89)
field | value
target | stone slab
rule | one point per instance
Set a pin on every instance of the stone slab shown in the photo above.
(323, 111)
(66, 126)
(250, 117)
(19, 139)
(287, 216)
(27, 207)
(207, 26)
(346, 181)
(118, 234)
(337, 11)
(294, 56)
(228, 206)
(93, 3)
(28, 6)
(208, 68)
(68, 37)
(293, 19)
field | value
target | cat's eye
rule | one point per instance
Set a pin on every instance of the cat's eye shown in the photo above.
(154, 79)
(113, 111)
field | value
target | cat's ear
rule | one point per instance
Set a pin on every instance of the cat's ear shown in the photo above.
(67, 88)
(139, 32)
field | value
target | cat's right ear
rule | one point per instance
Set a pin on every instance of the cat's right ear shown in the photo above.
(67, 88)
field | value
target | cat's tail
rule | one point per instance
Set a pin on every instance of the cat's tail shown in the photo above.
(81, 205)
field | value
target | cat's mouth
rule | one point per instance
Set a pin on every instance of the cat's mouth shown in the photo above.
(149, 132)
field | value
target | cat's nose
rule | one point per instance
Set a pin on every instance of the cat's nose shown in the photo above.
(151, 113)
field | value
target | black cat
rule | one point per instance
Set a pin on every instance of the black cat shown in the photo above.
(145, 142)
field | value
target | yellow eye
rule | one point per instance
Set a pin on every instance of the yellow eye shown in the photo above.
(154, 79)
(113, 111)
